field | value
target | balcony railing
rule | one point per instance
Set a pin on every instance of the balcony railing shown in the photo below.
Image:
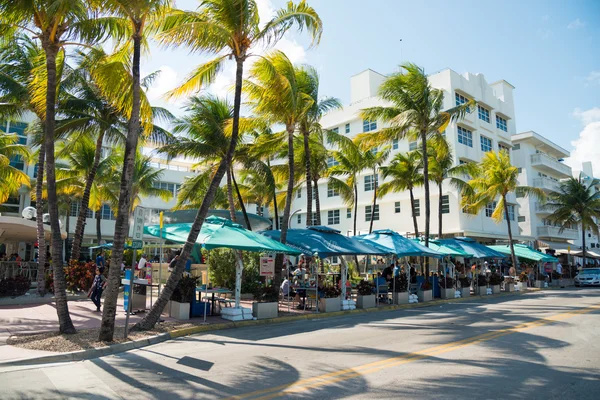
(546, 183)
(542, 209)
(555, 232)
(544, 161)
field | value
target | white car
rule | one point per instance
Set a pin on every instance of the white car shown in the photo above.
(588, 277)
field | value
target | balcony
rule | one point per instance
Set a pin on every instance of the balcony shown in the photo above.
(546, 184)
(550, 165)
(541, 209)
(554, 232)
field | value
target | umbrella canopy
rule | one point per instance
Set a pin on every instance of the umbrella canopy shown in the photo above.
(108, 246)
(470, 246)
(220, 232)
(435, 245)
(523, 251)
(326, 242)
(397, 244)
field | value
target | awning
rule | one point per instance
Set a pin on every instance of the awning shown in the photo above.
(522, 251)
(396, 244)
(556, 245)
(470, 246)
(17, 229)
(435, 245)
(326, 242)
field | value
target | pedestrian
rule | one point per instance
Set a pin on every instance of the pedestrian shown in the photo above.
(141, 267)
(98, 285)
(559, 270)
(100, 260)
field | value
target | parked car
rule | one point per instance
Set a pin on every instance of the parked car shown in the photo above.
(588, 277)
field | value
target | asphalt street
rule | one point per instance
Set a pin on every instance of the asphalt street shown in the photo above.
(539, 345)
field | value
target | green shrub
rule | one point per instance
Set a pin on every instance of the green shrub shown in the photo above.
(266, 294)
(185, 289)
(221, 265)
(14, 286)
(365, 288)
(400, 284)
(331, 292)
(465, 282)
(496, 279)
(446, 283)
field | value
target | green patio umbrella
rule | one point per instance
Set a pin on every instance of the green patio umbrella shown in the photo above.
(435, 245)
(523, 251)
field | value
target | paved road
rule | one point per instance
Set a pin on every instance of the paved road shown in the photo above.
(542, 345)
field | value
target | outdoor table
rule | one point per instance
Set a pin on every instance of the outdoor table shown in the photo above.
(296, 288)
(213, 292)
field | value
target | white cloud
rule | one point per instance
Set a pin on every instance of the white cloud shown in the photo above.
(587, 146)
(593, 78)
(576, 24)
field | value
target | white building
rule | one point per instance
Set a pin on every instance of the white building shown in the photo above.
(489, 127)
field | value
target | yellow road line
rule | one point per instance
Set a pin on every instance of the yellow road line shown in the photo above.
(345, 374)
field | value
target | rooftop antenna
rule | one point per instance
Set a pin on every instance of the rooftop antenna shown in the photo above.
(401, 58)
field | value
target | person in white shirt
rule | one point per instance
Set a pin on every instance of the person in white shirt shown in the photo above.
(141, 267)
(559, 269)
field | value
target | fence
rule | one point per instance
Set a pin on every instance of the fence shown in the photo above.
(9, 269)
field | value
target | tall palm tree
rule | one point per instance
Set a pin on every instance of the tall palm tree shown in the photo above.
(11, 178)
(404, 172)
(187, 196)
(492, 179)
(229, 28)
(416, 112)
(374, 158)
(576, 203)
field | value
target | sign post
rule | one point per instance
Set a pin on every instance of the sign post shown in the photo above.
(136, 243)
(161, 252)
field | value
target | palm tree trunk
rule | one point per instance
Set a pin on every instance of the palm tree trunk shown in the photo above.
(39, 219)
(374, 200)
(99, 226)
(107, 327)
(60, 284)
(440, 211)
(317, 201)
(239, 263)
(230, 197)
(414, 216)
(241, 201)
(275, 211)
(309, 191)
(355, 206)
(427, 194)
(510, 238)
(67, 226)
(154, 315)
(288, 203)
(85, 201)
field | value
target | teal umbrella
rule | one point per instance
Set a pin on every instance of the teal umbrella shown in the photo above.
(435, 245)
(470, 246)
(217, 232)
(523, 251)
(397, 244)
(108, 246)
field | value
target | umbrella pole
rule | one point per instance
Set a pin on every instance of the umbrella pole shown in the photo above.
(205, 287)
(394, 280)
(316, 271)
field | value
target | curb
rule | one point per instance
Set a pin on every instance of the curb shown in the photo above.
(136, 344)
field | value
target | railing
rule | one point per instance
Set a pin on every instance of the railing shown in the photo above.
(555, 232)
(542, 209)
(546, 183)
(541, 159)
(9, 269)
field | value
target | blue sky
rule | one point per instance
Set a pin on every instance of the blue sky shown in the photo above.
(549, 50)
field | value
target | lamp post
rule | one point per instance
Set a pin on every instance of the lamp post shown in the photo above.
(291, 215)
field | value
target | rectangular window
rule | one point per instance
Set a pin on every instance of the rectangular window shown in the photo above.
(501, 123)
(75, 210)
(397, 207)
(502, 147)
(486, 143)
(332, 191)
(368, 213)
(461, 162)
(299, 193)
(370, 182)
(314, 220)
(489, 209)
(299, 219)
(347, 128)
(517, 146)
(520, 170)
(484, 114)
(333, 217)
(369, 126)
(521, 218)
(315, 192)
(460, 99)
(446, 204)
(417, 207)
(511, 212)
(336, 130)
(332, 162)
(412, 146)
(106, 213)
(17, 162)
(465, 136)
(348, 213)
(395, 144)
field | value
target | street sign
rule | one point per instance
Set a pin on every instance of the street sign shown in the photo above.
(138, 224)
(267, 266)
(137, 244)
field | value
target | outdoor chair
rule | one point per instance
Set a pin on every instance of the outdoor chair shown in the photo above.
(225, 300)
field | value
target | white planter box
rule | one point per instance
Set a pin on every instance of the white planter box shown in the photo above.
(495, 289)
(523, 286)
(367, 301)
(265, 310)
(482, 290)
(447, 293)
(509, 287)
(539, 284)
(330, 305)
(424, 295)
(465, 292)
(400, 298)
(180, 311)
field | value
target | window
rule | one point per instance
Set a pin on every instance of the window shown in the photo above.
(368, 210)
(489, 209)
(17, 162)
(75, 210)
(416, 207)
(35, 170)
(484, 114)
(519, 169)
(517, 146)
(347, 128)
(171, 187)
(370, 181)
(336, 130)
(369, 126)
(299, 219)
(315, 192)
(260, 210)
(299, 193)
(335, 260)
(348, 213)
(12, 204)
(486, 143)
(332, 162)
(314, 220)
(397, 207)
(446, 204)
(511, 212)
(395, 144)
(461, 162)
(502, 147)
(412, 146)
(106, 213)
(521, 218)
(465, 136)
(501, 123)
(460, 99)
(333, 217)
(332, 191)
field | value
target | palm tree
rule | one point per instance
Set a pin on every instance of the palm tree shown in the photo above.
(187, 196)
(492, 179)
(416, 112)
(373, 159)
(11, 178)
(576, 203)
(229, 28)
(404, 172)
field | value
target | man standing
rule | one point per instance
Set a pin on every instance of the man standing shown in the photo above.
(100, 261)
(142, 266)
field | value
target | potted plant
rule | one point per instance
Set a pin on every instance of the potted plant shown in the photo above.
(366, 298)
(400, 289)
(266, 302)
(331, 300)
(181, 298)
(540, 280)
(482, 285)
(425, 293)
(447, 287)
(465, 286)
(495, 282)
(509, 284)
(523, 278)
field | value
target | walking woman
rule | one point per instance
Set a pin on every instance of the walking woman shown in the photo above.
(98, 286)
